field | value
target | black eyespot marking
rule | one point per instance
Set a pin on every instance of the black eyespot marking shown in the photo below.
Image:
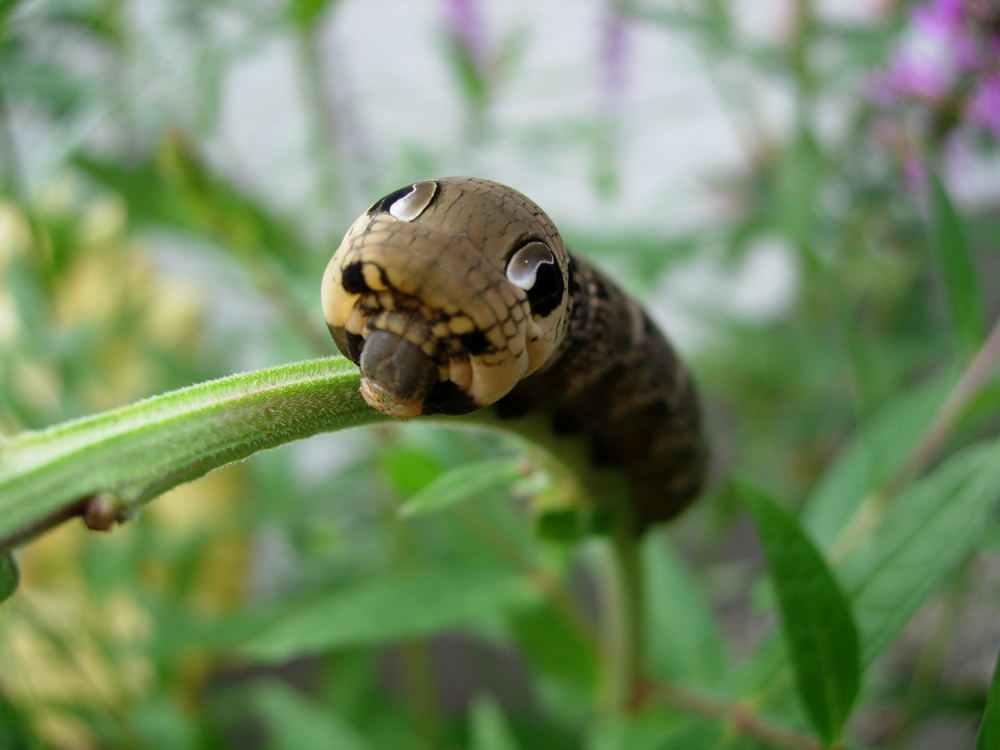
(353, 280)
(349, 344)
(547, 292)
(475, 342)
(382, 204)
(447, 398)
(355, 345)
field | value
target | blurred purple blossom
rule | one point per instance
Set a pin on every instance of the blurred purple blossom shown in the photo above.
(465, 24)
(951, 64)
(940, 15)
(614, 53)
(908, 77)
(985, 105)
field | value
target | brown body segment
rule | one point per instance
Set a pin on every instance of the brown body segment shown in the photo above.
(424, 294)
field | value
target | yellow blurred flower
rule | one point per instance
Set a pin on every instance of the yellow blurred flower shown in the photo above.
(15, 235)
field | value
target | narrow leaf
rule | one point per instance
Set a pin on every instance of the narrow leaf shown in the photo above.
(989, 731)
(557, 649)
(308, 13)
(882, 443)
(464, 482)
(489, 728)
(926, 533)
(417, 603)
(295, 721)
(821, 636)
(951, 246)
(9, 575)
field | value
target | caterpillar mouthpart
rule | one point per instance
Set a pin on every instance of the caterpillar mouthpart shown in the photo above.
(397, 375)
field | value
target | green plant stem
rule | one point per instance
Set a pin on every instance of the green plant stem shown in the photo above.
(624, 614)
(104, 466)
(135, 453)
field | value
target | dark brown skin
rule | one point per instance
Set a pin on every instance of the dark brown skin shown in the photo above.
(458, 294)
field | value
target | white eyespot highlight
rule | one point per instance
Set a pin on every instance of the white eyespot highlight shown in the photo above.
(411, 205)
(522, 268)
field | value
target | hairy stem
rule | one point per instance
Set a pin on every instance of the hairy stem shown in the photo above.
(103, 466)
(131, 455)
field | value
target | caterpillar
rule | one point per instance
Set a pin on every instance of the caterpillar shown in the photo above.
(458, 294)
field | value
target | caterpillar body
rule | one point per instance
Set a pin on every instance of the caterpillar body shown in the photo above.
(458, 294)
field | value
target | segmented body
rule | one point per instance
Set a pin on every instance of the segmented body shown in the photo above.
(458, 294)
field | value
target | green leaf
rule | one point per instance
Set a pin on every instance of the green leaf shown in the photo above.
(182, 190)
(883, 441)
(15, 728)
(417, 603)
(9, 575)
(307, 13)
(464, 483)
(954, 255)
(928, 530)
(409, 468)
(162, 723)
(988, 737)
(821, 636)
(294, 721)
(488, 727)
(652, 729)
(554, 647)
(685, 642)
(472, 82)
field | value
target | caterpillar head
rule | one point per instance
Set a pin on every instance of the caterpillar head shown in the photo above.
(447, 293)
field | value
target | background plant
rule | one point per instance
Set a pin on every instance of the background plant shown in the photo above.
(139, 253)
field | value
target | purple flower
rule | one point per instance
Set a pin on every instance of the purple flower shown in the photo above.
(464, 20)
(984, 108)
(909, 77)
(940, 16)
(613, 54)
(951, 66)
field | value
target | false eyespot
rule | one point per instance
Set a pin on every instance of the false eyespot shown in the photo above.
(533, 267)
(407, 203)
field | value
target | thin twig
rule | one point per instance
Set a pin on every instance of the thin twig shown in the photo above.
(930, 444)
(968, 386)
(735, 715)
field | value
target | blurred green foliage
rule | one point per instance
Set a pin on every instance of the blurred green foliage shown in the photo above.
(286, 601)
